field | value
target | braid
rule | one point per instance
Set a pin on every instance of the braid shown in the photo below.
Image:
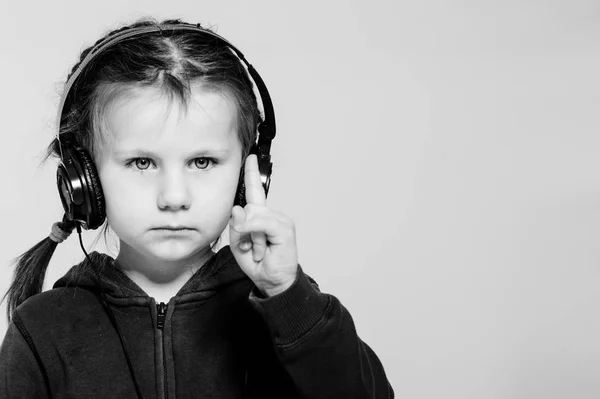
(30, 269)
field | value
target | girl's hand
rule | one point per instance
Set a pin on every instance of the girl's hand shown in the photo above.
(263, 241)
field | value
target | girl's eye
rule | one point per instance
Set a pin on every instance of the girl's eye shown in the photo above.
(203, 163)
(144, 163)
(140, 163)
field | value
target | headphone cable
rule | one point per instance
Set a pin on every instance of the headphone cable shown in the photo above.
(111, 315)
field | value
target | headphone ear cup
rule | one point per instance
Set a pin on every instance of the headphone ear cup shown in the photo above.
(80, 189)
(95, 195)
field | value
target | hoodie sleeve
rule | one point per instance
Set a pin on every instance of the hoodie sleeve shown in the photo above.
(20, 372)
(317, 344)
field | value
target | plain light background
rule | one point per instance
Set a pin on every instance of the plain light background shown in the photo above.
(439, 159)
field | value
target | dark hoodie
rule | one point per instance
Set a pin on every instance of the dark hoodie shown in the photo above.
(217, 338)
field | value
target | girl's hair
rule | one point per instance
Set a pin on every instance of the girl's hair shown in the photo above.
(170, 61)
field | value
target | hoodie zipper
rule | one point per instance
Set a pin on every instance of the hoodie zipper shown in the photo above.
(161, 309)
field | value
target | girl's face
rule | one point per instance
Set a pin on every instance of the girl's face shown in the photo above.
(168, 167)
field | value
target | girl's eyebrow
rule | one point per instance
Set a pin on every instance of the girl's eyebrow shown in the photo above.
(152, 154)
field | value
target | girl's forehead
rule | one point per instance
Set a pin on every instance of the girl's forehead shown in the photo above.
(147, 116)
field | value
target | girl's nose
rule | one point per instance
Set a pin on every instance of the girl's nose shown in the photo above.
(174, 193)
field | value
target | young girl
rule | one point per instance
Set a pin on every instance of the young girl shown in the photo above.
(158, 137)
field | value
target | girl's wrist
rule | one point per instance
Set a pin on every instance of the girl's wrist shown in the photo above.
(272, 290)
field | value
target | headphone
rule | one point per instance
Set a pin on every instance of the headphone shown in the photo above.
(77, 178)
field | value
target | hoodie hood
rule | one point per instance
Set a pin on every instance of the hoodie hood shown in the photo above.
(219, 271)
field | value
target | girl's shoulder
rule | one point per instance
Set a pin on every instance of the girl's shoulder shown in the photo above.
(56, 309)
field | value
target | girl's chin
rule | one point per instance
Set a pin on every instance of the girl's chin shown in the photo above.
(171, 251)
(174, 253)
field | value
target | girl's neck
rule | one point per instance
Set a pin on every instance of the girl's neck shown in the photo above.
(159, 279)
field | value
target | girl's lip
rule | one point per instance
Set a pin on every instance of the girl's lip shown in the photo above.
(173, 228)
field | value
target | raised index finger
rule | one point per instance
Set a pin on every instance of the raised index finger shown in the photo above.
(255, 194)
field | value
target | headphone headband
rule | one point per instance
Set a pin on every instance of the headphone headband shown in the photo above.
(267, 127)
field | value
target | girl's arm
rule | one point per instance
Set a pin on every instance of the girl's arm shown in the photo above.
(314, 335)
(317, 344)
(20, 373)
